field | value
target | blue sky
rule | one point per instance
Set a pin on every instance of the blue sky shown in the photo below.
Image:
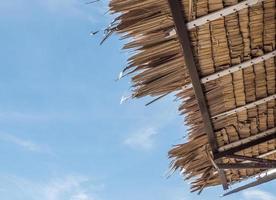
(64, 134)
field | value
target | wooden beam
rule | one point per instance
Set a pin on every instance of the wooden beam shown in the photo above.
(245, 107)
(221, 13)
(250, 165)
(184, 39)
(234, 69)
(176, 8)
(244, 146)
(223, 179)
(258, 160)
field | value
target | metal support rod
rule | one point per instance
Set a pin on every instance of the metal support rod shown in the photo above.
(267, 154)
(259, 156)
(253, 184)
(244, 146)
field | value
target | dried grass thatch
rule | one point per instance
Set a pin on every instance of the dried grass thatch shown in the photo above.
(158, 68)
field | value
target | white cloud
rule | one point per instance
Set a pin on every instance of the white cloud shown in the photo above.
(258, 195)
(26, 144)
(19, 116)
(143, 139)
(33, 117)
(69, 186)
(66, 188)
(81, 196)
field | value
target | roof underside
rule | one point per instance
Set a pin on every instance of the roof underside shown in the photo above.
(231, 115)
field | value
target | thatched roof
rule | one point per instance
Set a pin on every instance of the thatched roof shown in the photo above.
(231, 115)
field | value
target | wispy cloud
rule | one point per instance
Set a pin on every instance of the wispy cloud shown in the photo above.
(69, 186)
(23, 143)
(32, 117)
(66, 188)
(143, 139)
(153, 125)
(81, 196)
(258, 195)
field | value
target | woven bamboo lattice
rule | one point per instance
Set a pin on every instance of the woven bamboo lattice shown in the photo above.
(159, 68)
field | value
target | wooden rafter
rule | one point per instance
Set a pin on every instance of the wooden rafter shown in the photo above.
(247, 106)
(234, 68)
(247, 158)
(221, 13)
(184, 39)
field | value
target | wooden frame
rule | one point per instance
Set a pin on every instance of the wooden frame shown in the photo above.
(227, 67)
